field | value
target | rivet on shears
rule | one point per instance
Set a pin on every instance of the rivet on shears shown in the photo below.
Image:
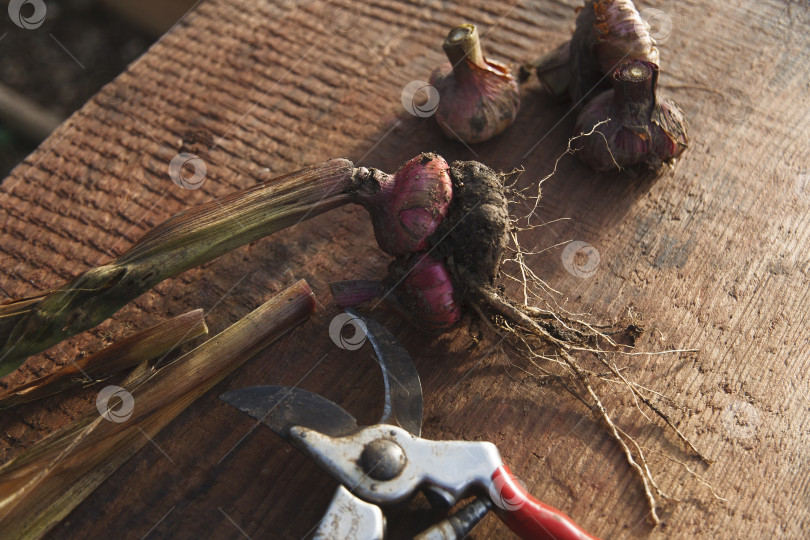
(382, 459)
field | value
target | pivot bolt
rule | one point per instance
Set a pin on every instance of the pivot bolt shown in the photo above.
(382, 459)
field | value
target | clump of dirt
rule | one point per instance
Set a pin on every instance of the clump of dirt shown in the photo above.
(473, 237)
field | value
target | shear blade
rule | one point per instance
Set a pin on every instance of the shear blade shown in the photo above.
(403, 390)
(282, 407)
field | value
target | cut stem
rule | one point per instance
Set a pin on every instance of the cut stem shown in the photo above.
(634, 87)
(41, 486)
(188, 239)
(354, 292)
(153, 343)
(462, 45)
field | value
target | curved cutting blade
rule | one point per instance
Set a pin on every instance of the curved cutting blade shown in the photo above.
(282, 407)
(403, 390)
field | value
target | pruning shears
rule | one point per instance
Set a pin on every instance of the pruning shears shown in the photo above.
(388, 462)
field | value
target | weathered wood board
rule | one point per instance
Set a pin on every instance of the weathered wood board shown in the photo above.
(712, 253)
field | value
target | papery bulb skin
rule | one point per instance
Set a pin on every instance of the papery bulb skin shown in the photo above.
(641, 127)
(420, 288)
(671, 137)
(407, 207)
(607, 32)
(478, 98)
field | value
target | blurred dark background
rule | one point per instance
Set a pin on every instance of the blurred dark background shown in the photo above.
(57, 54)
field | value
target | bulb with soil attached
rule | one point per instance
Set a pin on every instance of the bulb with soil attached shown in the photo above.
(408, 206)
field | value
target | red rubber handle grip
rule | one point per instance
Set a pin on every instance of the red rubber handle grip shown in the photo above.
(526, 516)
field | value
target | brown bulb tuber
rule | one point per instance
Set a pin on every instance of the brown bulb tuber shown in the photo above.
(639, 126)
(607, 32)
(478, 98)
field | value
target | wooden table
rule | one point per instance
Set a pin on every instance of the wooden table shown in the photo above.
(712, 253)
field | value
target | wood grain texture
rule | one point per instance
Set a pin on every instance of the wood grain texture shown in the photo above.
(712, 253)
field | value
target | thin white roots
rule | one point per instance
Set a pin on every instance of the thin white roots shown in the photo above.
(637, 460)
(695, 475)
(569, 150)
(539, 323)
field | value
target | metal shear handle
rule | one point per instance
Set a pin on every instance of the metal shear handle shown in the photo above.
(385, 464)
